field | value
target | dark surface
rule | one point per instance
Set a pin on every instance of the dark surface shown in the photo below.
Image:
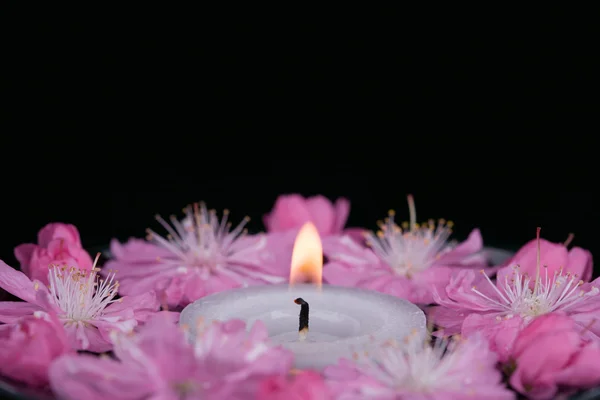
(494, 129)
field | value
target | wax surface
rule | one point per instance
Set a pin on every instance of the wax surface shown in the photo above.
(342, 320)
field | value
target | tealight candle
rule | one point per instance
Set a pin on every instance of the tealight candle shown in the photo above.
(319, 324)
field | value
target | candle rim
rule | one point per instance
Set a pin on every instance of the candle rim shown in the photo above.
(371, 296)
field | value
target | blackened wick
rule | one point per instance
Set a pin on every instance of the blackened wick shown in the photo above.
(303, 327)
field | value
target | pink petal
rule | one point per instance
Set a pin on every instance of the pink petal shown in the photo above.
(29, 347)
(336, 273)
(448, 320)
(526, 252)
(549, 323)
(258, 332)
(267, 222)
(171, 316)
(77, 377)
(12, 311)
(23, 254)
(553, 351)
(38, 265)
(356, 234)
(500, 334)
(426, 281)
(346, 382)
(322, 214)
(260, 259)
(552, 255)
(459, 293)
(16, 283)
(44, 299)
(544, 350)
(588, 325)
(191, 288)
(580, 262)
(345, 249)
(137, 251)
(290, 211)
(407, 289)
(87, 338)
(128, 270)
(341, 210)
(583, 370)
(381, 281)
(57, 252)
(473, 244)
(82, 258)
(159, 341)
(143, 306)
(229, 350)
(278, 249)
(308, 385)
(344, 369)
(57, 230)
(175, 293)
(136, 286)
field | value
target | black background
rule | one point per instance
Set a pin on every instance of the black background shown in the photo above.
(109, 126)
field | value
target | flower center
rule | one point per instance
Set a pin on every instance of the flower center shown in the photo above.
(80, 294)
(200, 240)
(416, 368)
(412, 248)
(514, 295)
(185, 388)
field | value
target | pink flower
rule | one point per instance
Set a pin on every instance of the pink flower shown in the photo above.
(499, 311)
(200, 257)
(159, 363)
(554, 256)
(85, 305)
(58, 244)
(293, 211)
(404, 262)
(306, 385)
(549, 355)
(29, 346)
(457, 369)
(57, 230)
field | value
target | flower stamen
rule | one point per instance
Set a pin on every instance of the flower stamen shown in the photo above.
(515, 296)
(81, 295)
(413, 247)
(201, 241)
(569, 239)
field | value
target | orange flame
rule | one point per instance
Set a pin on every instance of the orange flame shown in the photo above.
(307, 257)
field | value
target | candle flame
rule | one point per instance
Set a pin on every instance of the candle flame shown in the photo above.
(307, 257)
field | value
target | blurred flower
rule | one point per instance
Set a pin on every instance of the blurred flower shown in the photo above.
(554, 256)
(200, 256)
(449, 369)
(159, 363)
(29, 346)
(58, 244)
(306, 385)
(293, 211)
(473, 303)
(404, 262)
(84, 304)
(549, 355)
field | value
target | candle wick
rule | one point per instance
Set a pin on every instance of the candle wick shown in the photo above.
(303, 326)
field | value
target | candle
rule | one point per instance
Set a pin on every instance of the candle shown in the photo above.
(320, 324)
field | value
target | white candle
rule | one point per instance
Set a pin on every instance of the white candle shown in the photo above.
(341, 320)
